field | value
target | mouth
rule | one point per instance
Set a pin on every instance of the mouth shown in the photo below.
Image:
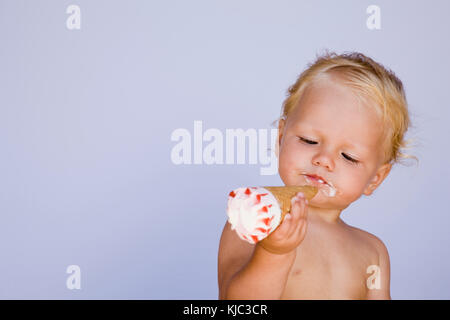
(329, 190)
(317, 179)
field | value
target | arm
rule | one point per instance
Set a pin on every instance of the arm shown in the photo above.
(385, 273)
(249, 271)
(233, 255)
(260, 271)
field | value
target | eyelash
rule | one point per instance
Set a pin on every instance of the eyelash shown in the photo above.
(353, 161)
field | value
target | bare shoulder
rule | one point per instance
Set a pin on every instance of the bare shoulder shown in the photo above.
(379, 282)
(372, 242)
(234, 253)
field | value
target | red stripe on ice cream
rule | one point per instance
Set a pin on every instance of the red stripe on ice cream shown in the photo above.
(253, 213)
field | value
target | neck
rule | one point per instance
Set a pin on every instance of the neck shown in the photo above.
(331, 216)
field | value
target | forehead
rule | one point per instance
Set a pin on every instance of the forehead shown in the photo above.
(334, 112)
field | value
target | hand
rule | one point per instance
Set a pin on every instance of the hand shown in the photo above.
(292, 230)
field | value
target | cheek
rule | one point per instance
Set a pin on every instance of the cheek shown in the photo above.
(352, 184)
(293, 154)
(291, 161)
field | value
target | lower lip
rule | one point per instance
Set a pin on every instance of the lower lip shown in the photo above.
(315, 180)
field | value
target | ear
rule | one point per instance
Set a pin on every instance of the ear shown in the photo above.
(281, 124)
(381, 174)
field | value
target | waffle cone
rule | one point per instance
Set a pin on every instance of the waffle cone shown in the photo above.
(285, 194)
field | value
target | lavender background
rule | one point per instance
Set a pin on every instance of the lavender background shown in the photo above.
(86, 118)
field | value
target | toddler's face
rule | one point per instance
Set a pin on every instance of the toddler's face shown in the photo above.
(331, 135)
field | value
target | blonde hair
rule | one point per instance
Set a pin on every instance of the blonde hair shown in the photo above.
(369, 80)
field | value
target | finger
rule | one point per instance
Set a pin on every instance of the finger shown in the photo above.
(299, 221)
(300, 230)
(296, 214)
(298, 210)
(285, 224)
(297, 202)
(304, 209)
(303, 205)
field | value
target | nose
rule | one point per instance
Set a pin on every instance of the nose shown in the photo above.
(324, 160)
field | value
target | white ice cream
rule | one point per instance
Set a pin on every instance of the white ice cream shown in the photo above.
(253, 212)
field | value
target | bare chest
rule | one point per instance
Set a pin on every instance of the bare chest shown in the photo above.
(324, 270)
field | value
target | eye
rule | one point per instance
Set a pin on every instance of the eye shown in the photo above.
(345, 156)
(307, 141)
(349, 158)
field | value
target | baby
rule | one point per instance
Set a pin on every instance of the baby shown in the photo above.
(343, 122)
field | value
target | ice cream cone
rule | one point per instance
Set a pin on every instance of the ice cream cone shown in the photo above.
(285, 194)
(254, 212)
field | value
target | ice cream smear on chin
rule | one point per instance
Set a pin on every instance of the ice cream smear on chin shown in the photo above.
(326, 188)
(253, 213)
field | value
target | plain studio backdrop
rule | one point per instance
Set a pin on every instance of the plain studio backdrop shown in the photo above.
(92, 94)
